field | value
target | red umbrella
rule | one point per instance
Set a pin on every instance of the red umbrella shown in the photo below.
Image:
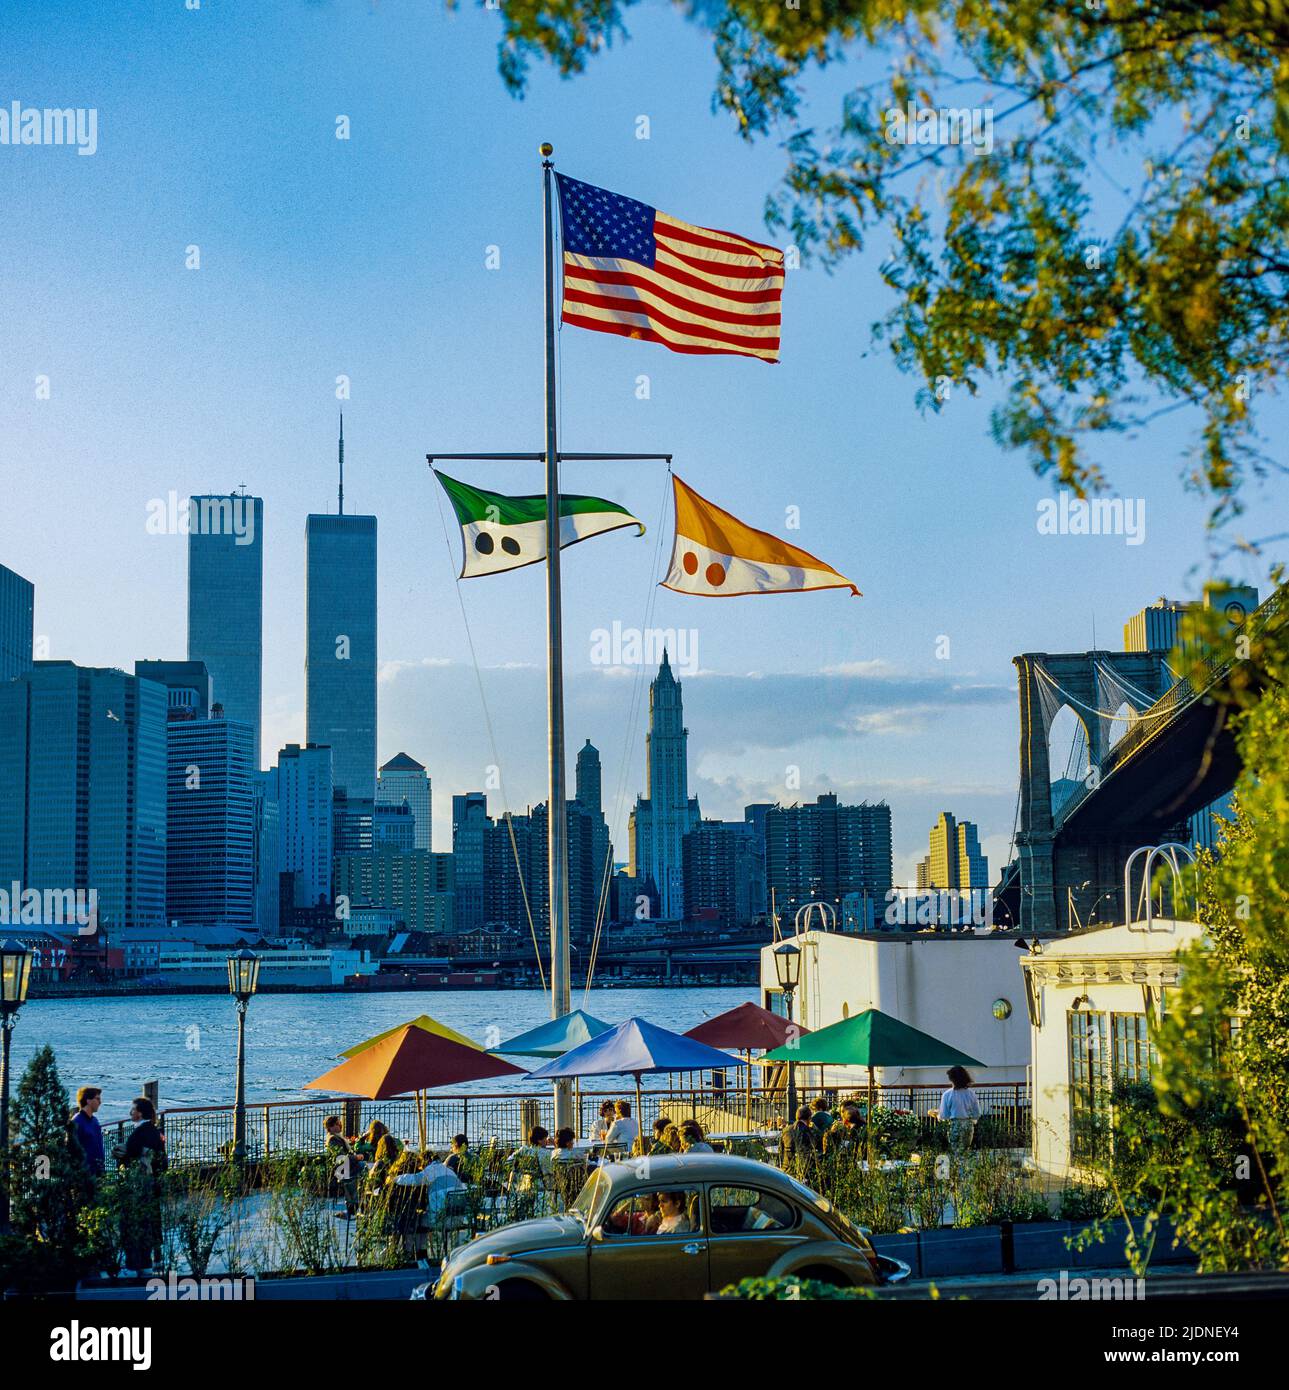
(744, 1029)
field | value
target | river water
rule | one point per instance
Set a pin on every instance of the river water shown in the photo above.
(188, 1043)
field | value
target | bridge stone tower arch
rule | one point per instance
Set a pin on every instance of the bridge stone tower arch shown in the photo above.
(1094, 685)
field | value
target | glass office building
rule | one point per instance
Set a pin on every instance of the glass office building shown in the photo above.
(17, 611)
(226, 601)
(210, 821)
(340, 647)
(83, 764)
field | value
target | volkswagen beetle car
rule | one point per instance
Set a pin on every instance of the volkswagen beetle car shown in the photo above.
(671, 1227)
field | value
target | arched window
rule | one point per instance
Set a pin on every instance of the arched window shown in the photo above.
(1067, 753)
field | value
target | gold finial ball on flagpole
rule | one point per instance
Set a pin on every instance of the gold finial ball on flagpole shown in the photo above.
(546, 149)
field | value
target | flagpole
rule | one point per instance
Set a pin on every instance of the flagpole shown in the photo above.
(556, 815)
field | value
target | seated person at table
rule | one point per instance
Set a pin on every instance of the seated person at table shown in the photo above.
(534, 1157)
(460, 1152)
(673, 1219)
(820, 1115)
(846, 1132)
(605, 1122)
(692, 1139)
(671, 1140)
(411, 1170)
(369, 1142)
(624, 1131)
(659, 1144)
(387, 1152)
(564, 1150)
(800, 1140)
(345, 1164)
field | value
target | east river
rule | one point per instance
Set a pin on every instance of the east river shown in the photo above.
(188, 1043)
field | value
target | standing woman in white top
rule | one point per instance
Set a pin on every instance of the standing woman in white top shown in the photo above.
(961, 1108)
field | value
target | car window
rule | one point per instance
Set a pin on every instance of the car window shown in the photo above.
(597, 1185)
(672, 1211)
(735, 1210)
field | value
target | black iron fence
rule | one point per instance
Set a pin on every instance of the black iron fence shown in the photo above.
(279, 1128)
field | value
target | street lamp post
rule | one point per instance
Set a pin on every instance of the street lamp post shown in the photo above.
(787, 966)
(243, 976)
(15, 976)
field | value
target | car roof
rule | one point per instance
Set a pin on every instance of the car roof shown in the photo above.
(694, 1167)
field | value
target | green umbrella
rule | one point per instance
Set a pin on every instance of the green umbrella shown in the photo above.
(871, 1039)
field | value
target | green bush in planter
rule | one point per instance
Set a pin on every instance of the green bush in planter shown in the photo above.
(792, 1290)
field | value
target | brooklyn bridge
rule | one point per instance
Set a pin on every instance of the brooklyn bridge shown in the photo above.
(1151, 750)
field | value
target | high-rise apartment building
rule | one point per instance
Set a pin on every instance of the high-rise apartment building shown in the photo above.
(415, 884)
(718, 864)
(226, 601)
(821, 852)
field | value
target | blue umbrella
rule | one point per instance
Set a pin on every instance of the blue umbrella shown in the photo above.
(634, 1048)
(556, 1037)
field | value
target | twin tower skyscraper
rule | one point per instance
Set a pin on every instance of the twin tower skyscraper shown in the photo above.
(226, 624)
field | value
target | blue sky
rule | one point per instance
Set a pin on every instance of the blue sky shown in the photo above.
(366, 257)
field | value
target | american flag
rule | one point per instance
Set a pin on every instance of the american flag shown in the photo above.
(632, 270)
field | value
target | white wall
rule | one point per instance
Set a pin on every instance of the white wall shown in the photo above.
(945, 986)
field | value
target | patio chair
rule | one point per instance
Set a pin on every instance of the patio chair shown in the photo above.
(457, 1218)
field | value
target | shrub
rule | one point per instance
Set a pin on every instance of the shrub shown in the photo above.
(792, 1290)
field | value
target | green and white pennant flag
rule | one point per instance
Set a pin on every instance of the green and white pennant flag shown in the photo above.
(505, 533)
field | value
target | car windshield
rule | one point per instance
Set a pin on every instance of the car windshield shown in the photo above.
(588, 1199)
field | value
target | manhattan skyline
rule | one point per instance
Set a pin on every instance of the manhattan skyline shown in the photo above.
(367, 259)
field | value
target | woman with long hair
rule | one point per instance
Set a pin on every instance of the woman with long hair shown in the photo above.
(960, 1106)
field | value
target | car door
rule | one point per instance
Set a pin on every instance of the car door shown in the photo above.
(749, 1229)
(635, 1259)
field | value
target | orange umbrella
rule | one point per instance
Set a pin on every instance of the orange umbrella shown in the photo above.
(431, 1025)
(412, 1059)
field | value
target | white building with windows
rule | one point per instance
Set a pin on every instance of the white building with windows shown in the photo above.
(1092, 998)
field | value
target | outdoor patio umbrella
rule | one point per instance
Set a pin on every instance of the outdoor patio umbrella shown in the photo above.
(635, 1048)
(743, 1028)
(431, 1025)
(555, 1037)
(411, 1060)
(872, 1039)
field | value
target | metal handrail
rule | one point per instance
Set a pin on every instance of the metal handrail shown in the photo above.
(201, 1134)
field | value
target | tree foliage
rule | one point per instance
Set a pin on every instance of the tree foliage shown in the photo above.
(1119, 249)
(1209, 1147)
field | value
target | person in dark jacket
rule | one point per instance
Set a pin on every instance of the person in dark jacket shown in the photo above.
(146, 1144)
(143, 1157)
(820, 1116)
(799, 1143)
(87, 1131)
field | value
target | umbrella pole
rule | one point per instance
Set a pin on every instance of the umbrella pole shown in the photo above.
(749, 1088)
(869, 1123)
(639, 1111)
